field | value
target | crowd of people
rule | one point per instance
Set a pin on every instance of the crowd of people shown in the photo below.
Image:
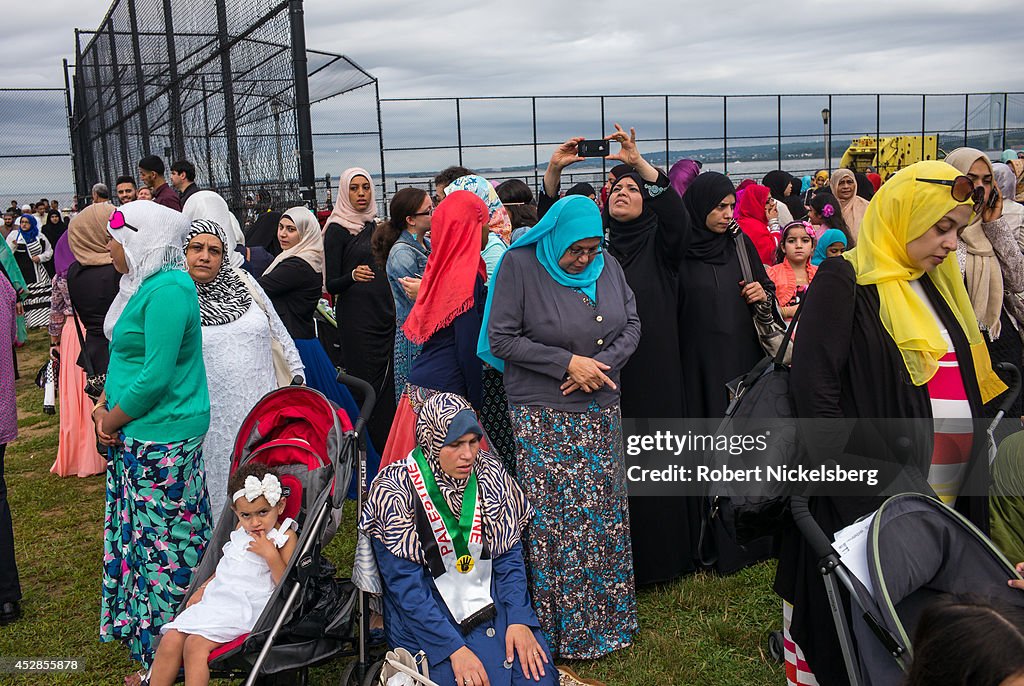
(506, 335)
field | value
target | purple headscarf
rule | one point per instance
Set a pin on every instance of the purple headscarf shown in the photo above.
(63, 258)
(682, 175)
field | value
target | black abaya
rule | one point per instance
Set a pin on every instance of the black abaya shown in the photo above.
(663, 529)
(365, 313)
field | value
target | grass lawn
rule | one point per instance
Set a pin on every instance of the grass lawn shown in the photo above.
(700, 630)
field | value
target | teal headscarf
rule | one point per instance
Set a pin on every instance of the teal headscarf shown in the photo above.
(805, 184)
(826, 239)
(573, 218)
(1009, 154)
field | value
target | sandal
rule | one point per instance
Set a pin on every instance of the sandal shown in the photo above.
(567, 677)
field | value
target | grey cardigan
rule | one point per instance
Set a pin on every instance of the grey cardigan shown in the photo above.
(536, 325)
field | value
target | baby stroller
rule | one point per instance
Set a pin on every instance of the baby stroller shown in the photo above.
(310, 618)
(916, 549)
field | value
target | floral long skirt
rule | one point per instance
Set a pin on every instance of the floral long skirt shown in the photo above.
(156, 527)
(571, 466)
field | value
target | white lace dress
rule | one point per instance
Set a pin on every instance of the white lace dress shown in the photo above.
(236, 596)
(239, 371)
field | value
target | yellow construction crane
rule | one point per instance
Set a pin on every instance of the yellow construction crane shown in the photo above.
(889, 154)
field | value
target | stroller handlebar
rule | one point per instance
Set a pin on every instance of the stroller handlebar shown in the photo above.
(369, 398)
(1015, 382)
(809, 528)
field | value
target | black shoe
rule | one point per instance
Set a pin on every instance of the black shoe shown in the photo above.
(10, 612)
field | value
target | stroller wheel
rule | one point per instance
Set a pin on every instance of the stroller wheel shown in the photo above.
(350, 677)
(373, 673)
(776, 650)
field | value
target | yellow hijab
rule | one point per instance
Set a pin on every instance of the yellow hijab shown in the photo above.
(902, 210)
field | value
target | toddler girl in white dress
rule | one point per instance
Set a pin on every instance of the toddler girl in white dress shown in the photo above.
(229, 603)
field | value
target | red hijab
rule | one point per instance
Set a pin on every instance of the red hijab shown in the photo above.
(751, 217)
(453, 267)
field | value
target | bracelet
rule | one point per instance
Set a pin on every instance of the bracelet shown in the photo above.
(98, 406)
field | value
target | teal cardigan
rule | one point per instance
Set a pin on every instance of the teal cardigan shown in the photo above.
(156, 372)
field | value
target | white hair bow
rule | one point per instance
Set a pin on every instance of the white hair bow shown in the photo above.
(270, 488)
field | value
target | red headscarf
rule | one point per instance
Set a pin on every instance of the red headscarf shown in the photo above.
(751, 217)
(453, 267)
(876, 180)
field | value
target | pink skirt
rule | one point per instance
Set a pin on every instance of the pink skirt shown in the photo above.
(76, 451)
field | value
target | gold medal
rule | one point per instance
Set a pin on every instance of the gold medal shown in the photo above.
(464, 564)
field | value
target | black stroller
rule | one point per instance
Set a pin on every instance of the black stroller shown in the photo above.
(311, 617)
(917, 549)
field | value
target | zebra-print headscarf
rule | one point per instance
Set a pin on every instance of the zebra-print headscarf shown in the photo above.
(388, 514)
(225, 298)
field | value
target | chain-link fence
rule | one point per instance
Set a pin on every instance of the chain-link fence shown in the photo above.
(743, 135)
(34, 159)
(226, 86)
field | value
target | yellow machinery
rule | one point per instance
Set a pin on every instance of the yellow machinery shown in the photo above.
(889, 154)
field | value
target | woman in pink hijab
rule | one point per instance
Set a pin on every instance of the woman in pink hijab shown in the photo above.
(363, 303)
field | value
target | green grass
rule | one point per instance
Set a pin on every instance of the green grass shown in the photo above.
(699, 630)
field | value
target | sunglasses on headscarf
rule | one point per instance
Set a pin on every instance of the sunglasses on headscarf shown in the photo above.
(961, 188)
(117, 221)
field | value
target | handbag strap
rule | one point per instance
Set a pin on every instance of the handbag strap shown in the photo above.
(89, 369)
(741, 252)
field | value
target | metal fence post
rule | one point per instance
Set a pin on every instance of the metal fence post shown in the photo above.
(458, 126)
(725, 135)
(174, 93)
(140, 79)
(380, 137)
(230, 132)
(604, 169)
(536, 159)
(116, 67)
(305, 128)
(967, 115)
(1006, 97)
(668, 161)
(778, 130)
(211, 179)
(72, 136)
(878, 130)
(924, 122)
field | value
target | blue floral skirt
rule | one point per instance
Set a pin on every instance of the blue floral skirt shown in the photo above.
(572, 468)
(157, 525)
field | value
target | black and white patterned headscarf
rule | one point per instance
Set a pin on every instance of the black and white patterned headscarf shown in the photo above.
(225, 298)
(388, 514)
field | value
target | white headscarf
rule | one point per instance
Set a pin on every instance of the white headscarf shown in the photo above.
(155, 247)
(211, 206)
(311, 242)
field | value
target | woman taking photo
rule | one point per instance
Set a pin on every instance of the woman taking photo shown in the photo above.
(875, 330)
(561, 321)
(400, 248)
(363, 305)
(239, 324)
(466, 606)
(152, 418)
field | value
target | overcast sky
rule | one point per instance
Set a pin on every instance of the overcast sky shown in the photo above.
(544, 47)
(438, 48)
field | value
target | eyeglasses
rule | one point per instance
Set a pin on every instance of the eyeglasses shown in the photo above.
(961, 188)
(577, 253)
(117, 221)
(423, 214)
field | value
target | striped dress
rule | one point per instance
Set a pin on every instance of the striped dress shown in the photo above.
(954, 427)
